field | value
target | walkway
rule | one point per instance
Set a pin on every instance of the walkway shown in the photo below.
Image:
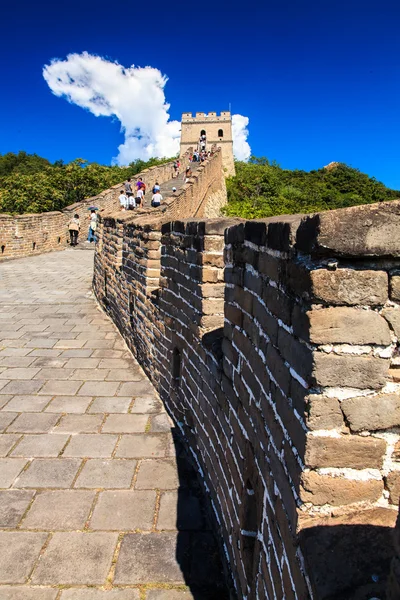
(92, 484)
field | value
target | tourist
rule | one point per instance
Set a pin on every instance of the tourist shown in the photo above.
(139, 197)
(123, 200)
(175, 166)
(128, 188)
(74, 226)
(139, 184)
(131, 202)
(156, 199)
(156, 187)
(92, 226)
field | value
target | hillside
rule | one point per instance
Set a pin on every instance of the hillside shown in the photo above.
(31, 184)
(263, 189)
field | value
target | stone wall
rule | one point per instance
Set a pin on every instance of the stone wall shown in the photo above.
(274, 345)
(25, 235)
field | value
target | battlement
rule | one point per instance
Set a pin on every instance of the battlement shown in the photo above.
(202, 117)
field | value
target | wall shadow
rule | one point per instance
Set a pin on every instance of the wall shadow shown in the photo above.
(197, 549)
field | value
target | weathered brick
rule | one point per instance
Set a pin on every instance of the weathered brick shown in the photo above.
(338, 491)
(350, 451)
(349, 287)
(372, 412)
(393, 485)
(395, 288)
(350, 371)
(324, 413)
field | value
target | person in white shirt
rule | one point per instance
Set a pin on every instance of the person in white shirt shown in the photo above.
(123, 200)
(139, 197)
(156, 199)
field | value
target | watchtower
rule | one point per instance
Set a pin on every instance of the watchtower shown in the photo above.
(211, 129)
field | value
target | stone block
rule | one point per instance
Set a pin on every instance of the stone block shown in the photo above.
(7, 441)
(34, 423)
(350, 451)
(108, 474)
(40, 445)
(28, 403)
(91, 445)
(323, 413)
(157, 474)
(69, 404)
(66, 509)
(345, 325)
(98, 388)
(349, 287)
(13, 504)
(395, 288)
(372, 413)
(10, 468)
(180, 510)
(169, 594)
(350, 371)
(393, 317)
(79, 424)
(142, 446)
(125, 424)
(393, 485)
(19, 551)
(61, 388)
(6, 418)
(48, 473)
(125, 510)
(21, 387)
(27, 593)
(76, 558)
(100, 594)
(110, 404)
(155, 558)
(337, 491)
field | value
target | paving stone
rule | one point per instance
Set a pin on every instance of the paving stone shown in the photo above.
(7, 441)
(13, 504)
(136, 388)
(90, 374)
(54, 373)
(41, 445)
(161, 423)
(10, 468)
(160, 474)
(107, 353)
(66, 509)
(93, 594)
(27, 593)
(112, 474)
(19, 551)
(21, 387)
(17, 361)
(99, 388)
(69, 404)
(124, 375)
(48, 362)
(19, 373)
(62, 388)
(173, 595)
(83, 363)
(125, 423)
(142, 445)
(146, 405)
(95, 344)
(154, 557)
(96, 445)
(33, 423)
(42, 343)
(48, 473)
(69, 344)
(28, 403)
(45, 352)
(79, 424)
(4, 399)
(119, 363)
(6, 418)
(77, 353)
(180, 510)
(76, 558)
(125, 510)
(9, 351)
(110, 404)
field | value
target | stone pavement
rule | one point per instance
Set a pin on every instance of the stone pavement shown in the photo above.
(97, 498)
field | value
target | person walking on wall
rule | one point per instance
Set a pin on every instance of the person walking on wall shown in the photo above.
(156, 199)
(128, 189)
(123, 200)
(139, 197)
(92, 226)
(74, 226)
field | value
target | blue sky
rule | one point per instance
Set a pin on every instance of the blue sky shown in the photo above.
(318, 81)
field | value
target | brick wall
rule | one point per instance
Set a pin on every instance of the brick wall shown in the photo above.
(274, 345)
(25, 235)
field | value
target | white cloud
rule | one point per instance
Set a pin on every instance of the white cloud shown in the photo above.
(135, 96)
(241, 148)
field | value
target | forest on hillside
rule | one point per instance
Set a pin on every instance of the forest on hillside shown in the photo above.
(32, 184)
(263, 189)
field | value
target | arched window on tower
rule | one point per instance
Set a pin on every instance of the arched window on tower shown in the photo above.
(220, 133)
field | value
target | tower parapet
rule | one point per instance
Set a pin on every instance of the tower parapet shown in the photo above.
(217, 130)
